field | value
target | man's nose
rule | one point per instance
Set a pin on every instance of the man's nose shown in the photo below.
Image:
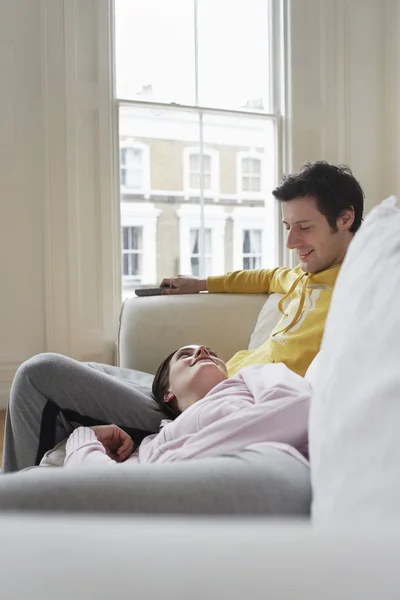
(293, 240)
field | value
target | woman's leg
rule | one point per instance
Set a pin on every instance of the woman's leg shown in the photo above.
(51, 394)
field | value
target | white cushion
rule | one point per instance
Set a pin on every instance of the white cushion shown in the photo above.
(313, 370)
(355, 412)
(267, 319)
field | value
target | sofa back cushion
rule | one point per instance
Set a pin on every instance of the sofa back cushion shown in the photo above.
(267, 319)
(355, 411)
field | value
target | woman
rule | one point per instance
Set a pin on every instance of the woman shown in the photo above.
(210, 414)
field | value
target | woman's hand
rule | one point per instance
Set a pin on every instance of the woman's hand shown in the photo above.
(117, 443)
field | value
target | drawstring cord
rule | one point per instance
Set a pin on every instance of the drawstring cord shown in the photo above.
(301, 302)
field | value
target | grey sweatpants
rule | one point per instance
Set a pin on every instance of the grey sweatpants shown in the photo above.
(52, 394)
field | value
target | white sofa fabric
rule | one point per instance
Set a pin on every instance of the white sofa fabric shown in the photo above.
(53, 557)
(256, 481)
(355, 413)
(151, 328)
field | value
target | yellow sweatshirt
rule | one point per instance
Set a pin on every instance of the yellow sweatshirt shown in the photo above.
(297, 337)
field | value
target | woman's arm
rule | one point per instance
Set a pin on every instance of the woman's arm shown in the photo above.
(103, 445)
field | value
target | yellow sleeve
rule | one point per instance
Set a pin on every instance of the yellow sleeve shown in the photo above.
(263, 281)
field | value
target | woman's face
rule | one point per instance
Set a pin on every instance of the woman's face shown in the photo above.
(193, 372)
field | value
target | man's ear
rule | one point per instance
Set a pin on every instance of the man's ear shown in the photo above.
(169, 397)
(346, 218)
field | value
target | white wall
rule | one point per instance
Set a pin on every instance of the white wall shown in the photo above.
(59, 270)
(58, 267)
(22, 295)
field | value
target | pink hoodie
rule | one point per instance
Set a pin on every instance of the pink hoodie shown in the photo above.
(260, 404)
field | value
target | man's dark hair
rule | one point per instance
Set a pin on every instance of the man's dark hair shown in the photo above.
(334, 187)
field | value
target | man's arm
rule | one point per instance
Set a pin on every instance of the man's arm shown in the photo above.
(263, 281)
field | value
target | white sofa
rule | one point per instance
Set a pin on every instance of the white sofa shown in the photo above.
(151, 328)
(258, 480)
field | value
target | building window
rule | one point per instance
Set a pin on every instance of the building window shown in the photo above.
(132, 252)
(253, 238)
(139, 245)
(195, 122)
(195, 251)
(249, 169)
(252, 248)
(135, 167)
(192, 173)
(189, 240)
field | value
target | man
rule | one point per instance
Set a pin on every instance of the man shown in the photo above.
(322, 208)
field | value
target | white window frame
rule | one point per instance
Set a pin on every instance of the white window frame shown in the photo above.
(213, 191)
(241, 193)
(214, 219)
(144, 215)
(144, 190)
(251, 218)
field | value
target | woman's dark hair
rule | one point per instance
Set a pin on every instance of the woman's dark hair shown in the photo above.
(160, 388)
(334, 187)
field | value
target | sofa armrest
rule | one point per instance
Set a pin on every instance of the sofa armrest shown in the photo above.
(152, 327)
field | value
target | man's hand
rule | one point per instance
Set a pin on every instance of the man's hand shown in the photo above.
(117, 443)
(184, 285)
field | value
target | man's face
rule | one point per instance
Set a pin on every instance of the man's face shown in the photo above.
(310, 235)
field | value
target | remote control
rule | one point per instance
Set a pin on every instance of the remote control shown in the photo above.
(149, 291)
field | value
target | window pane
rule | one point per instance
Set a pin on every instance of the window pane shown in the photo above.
(246, 242)
(155, 50)
(125, 264)
(194, 162)
(255, 242)
(132, 169)
(171, 207)
(194, 182)
(194, 241)
(135, 264)
(234, 45)
(255, 184)
(251, 165)
(195, 263)
(207, 163)
(251, 184)
(208, 241)
(207, 182)
(246, 263)
(122, 157)
(136, 238)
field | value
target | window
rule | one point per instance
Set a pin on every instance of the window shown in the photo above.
(252, 244)
(139, 234)
(190, 262)
(192, 172)
(249, 169)
(195, 252)
(132, 251)
(135, 167)
(252, 249)
(204, 118)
